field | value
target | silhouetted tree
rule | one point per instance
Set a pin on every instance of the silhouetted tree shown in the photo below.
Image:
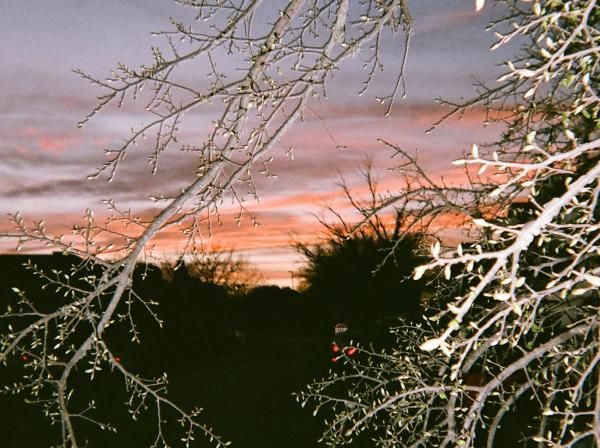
(362, 273)
(218, 267)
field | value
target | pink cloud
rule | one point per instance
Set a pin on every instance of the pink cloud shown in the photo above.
(31, 131)
(55, 144)
(305, 185)
(450, 19)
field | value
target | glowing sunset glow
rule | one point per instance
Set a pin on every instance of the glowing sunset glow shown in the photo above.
(46, 158)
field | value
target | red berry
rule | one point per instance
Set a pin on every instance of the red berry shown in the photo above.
(118, 359)
(351, 351)
(335, 359)
(24, 358)
(335, 348)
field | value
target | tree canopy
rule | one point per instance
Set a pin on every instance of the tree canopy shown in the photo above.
(365, 278)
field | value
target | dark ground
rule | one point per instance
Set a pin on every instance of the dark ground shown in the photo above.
(241, 362)
(240, 358)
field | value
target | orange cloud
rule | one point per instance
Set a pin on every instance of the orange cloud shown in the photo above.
(305, 186)
(267, 247)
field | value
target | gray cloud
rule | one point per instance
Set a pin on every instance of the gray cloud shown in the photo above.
(45, 158)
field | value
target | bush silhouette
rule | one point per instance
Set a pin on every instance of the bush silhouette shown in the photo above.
(365, 279)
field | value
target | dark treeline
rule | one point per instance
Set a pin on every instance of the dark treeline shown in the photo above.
(239, 353)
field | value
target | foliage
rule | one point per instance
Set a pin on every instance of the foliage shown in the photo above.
(361, 274)
(517, 343)
(217, 267)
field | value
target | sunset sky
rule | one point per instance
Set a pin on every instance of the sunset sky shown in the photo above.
(46, 158)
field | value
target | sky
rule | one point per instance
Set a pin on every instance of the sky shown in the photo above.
(45, 157)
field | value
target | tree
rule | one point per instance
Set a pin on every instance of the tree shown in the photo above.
(281, 65)
(521, 327)
(217, 267)
(361, 274)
